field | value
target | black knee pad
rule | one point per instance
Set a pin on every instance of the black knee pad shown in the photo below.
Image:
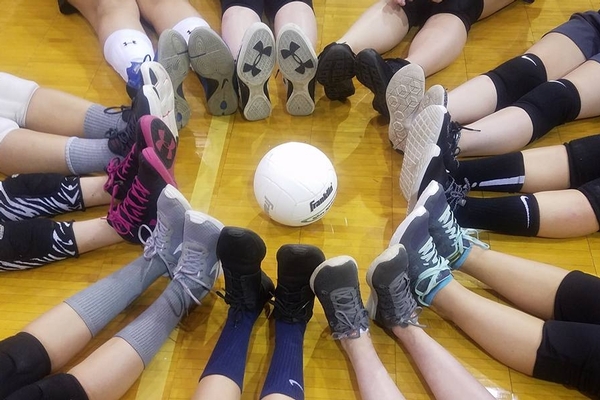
(549, 105)
(257, 6)
(272, 7)
(417, 12)
(591, 190)
(23, 360)
(468, 11)
(516, 77)
(55, 387)
(35, 242)
(583, 154)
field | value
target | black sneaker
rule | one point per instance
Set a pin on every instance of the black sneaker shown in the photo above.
(375, 73)
(247, 287)
(335, 283)
(121, 142)
(66, 8)
(39, 195)
(335, 71)
(391, 302)
(134, 218)
(294, 298)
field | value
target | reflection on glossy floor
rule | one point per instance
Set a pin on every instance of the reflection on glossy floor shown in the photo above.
(214, 169)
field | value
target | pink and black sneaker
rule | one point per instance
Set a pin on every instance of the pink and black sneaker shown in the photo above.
(151, 132)
(135, 217)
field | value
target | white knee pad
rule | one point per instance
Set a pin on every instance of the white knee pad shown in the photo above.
(15, 95)
(6, 126)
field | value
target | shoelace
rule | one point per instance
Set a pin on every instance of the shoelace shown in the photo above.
(290, 307)
(434, 265)
(117, 171)
(472, 235)
(190, 265)
(396, 301)
(456, 193)
(131, 210)
(156, 242)
(235, 298)
(349, 313)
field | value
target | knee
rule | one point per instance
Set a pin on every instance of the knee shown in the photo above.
(468, 11)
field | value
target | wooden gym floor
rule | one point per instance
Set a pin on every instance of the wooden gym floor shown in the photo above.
(215, 166)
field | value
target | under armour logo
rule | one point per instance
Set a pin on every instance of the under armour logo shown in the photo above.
(262, 51)
(291, 52)
(161, 143)
(128, 43)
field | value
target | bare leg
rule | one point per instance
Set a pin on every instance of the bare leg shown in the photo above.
(584, 80)
(509, 335)
(165, 14)
(234, 24)
(565, 214)
(105, 379)
(217, 387)
(60, 343)
(492, 135)
(438, 43)
(93, 191)
(477, 97)
(300, 14)
(514, 277)
(374, 381)
(392, 27)
(42, 115)
(540, 175)
(108, 16)
(26, 151)
(94, 234)
(445, 376)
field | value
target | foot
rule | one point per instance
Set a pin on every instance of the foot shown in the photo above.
(375, 73)
(153, 133)
(335, 71)
(213, 63)
(391, 302)
(155, 75)
(428, 272)
(298, 63)
(164, 244)
(247, 287)
(294, 298)
(135, 217)
(254, 67)
(198, 266)
(403, 96)
(335, 283)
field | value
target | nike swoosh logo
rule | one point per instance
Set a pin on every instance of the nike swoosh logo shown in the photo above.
(524, 201)
(214, 269)
(293, 382)
(178, 249)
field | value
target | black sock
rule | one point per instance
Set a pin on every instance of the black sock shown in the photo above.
(503, 173)
(23, 360)
(512, 215)
(56, 387)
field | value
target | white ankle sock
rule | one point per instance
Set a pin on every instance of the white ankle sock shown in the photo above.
(125, 46)
(15, 95)
(187, 25)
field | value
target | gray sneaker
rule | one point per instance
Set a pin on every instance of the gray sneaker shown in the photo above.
(164, 244)
(391, 303)
(335, 283)
(198, 266)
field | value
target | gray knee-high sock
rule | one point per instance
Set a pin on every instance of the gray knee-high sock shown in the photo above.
(147, 333)
(100, 303)
(87, 156)
(98, 121)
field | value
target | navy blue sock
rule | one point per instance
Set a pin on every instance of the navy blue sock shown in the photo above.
(286, 375)
(229, 355)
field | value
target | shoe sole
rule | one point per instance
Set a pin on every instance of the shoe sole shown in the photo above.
(252, 58)
(200, 217)
(373, 299)
(425, 131)
(335, 72)
(428, 155)
(211, 59)
(370, 74)
(172, 54)
(298, 63)
(158, 136)
(331, 262)
(156, 162)
(172, 193)
(403, 96)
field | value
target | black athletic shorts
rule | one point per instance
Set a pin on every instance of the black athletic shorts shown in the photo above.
(584, 30)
